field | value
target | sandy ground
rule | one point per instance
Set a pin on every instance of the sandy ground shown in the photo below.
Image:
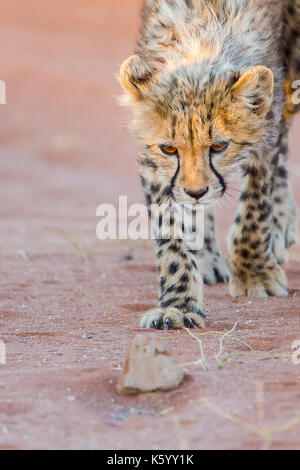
(70, 303)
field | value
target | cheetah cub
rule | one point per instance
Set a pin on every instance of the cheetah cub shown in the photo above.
(210, 90)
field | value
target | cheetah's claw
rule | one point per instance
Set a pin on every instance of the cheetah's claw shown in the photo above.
(171, 318)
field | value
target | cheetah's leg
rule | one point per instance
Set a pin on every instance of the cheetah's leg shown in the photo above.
(285, 226)
(181, 285)
(211, 264)
(180, 300)
(254, 270)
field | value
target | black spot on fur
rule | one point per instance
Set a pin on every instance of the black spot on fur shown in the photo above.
(143, 181)
(188, 3)
(254, 245)
(162, 241)
(149, 163)
(246, 265)
(244, 196)
(174, 248)
(148, 199)
(163, 281)
(184, 278)
(167, 303)
(244, 253)
(170, 289)
(269, 115)
(281, 172)
(155, 187)
(173, 268)
(181, 288)
(249, 170)
(284, 149)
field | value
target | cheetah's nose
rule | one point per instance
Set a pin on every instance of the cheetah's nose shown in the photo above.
(197, 194)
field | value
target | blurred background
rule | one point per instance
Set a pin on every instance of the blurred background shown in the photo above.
(69, 303)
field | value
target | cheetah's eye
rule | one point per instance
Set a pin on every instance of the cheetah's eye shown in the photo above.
(168, 149)
(219, 148)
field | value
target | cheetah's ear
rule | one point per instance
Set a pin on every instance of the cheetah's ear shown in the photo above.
(135, 76)
(255, 89)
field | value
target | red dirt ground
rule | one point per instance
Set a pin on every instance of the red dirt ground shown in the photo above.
(70, 303)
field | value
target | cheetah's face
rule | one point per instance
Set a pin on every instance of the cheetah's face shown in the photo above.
(197, 126)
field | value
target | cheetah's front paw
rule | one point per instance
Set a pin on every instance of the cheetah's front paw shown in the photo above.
(171, 318)
(269, 282)
(213, 268)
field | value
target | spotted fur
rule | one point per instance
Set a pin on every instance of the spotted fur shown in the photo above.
(208, 75)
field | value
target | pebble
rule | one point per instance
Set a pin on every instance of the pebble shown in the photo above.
(149, 367)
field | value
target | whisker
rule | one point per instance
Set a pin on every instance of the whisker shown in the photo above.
(234, 189)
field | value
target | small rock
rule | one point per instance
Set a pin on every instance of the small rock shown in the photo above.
(148, 367)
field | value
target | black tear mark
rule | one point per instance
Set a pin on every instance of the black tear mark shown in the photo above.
(220, 177)
(169, 189)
